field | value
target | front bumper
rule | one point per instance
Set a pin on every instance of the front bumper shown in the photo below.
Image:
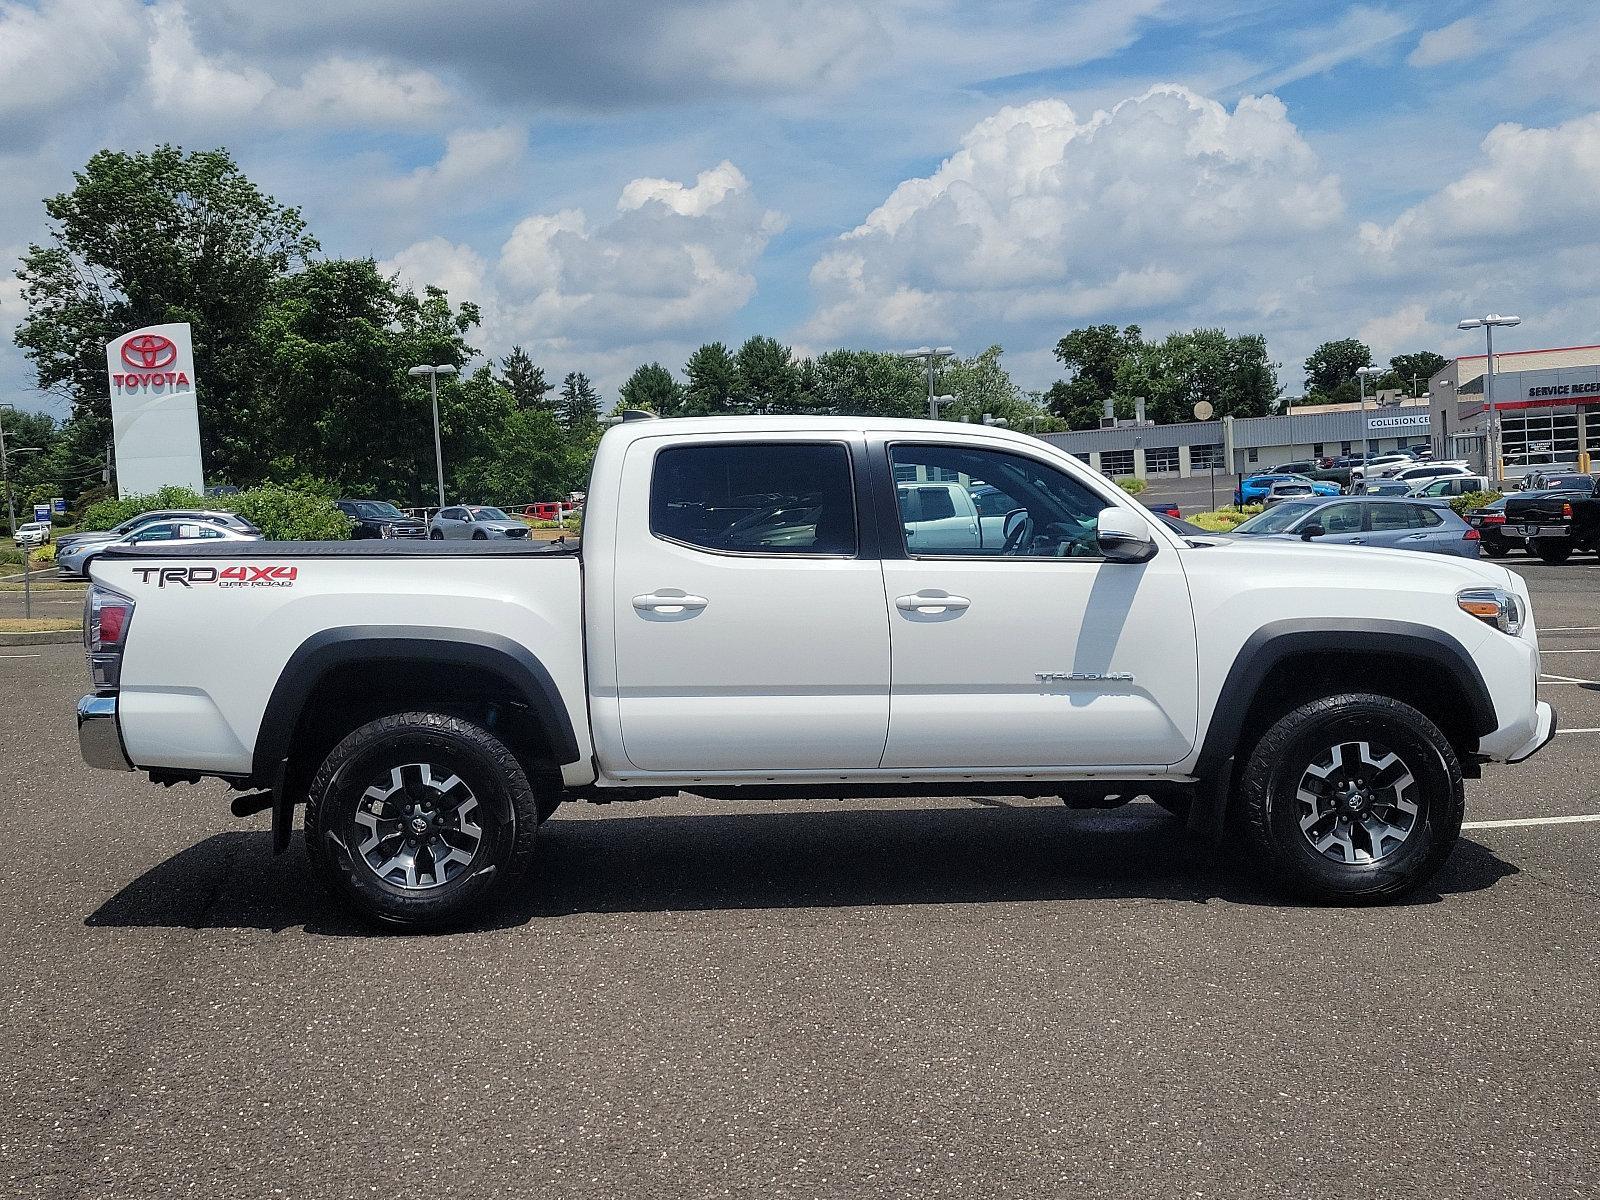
(1544, 732)
(99, 739)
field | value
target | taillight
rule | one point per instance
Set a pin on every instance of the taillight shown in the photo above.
(106, 615)
(1566, 512)
(1472, 535)
(1495, 519)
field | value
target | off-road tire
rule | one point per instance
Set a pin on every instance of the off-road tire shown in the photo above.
(507, 799)
(1552, 552)
(1269, 811)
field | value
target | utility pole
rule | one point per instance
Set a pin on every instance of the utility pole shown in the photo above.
(433, 373)
(5, 474)
(1366, 432)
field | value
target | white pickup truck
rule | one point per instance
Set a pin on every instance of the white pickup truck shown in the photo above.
(777, 607)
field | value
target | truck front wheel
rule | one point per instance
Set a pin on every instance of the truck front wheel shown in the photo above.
(416, 818)
(1355, 798)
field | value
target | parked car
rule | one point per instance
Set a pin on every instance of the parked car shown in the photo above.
(380, 519)
(549, 510)
(429, 714)
(1382, 522)
(1164, 507)
(117, 532)
(475, 522)
(1490, 522)
(1287, 489)
(32, 534)
(1253, 489)
(1446, 486)
(1381, 487)
(77, 562)
(1327, 470)
(1422, 472)
(1560, 518)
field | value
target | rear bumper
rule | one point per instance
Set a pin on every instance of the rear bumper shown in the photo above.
(99, 739)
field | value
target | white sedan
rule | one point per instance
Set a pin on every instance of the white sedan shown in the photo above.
(74, 563)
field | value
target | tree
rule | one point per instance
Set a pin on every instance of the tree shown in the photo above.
(983, 387)
(579, 408)
(713, 380)
(330, 397)
(523, 380)
(1093, 355)
(767, 378)
(863, 383)
(1333, 364)
(1410, 372)
(651, 388)
(148, 238)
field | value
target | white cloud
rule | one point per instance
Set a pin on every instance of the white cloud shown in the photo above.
(1359, 33)
(438, 262)
(1042, 213)
(1452, 43)
(473, 160)
(99, 38)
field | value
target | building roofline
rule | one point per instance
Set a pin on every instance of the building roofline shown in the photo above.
(1513, 353)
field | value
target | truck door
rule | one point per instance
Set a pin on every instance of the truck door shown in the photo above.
(1032, 651)
(750, 628)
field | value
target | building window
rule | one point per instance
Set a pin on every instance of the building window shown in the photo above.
(1344, 447)
(1539, 439)
(1204, 458)
(1316, 450)
(1117, 463)
(1161, 460)
(1253, 455)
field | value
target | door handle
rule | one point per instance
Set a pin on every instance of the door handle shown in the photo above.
(1357, 541)
(931, 604)
(669, 602)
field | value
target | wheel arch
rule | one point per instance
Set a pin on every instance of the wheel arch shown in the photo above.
(1285, 663)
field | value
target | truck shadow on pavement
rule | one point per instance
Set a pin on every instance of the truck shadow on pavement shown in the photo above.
(762, 859)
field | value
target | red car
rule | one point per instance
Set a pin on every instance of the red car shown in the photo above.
(1162, 507)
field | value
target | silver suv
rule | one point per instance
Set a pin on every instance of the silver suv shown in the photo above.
(475, 522)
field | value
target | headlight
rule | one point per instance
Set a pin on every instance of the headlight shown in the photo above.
(1494, 606)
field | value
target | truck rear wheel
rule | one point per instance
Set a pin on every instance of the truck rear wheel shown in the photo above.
(416, 818)
(1355, 798)
(1552, 551)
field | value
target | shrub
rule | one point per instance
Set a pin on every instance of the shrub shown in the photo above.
(283, 514)
(1465, 504)
(1132, 486)
(104, 514)
(45, 554)
(1224, 519)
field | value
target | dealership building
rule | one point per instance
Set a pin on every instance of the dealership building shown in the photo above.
(1239, 446)
(1548, 402)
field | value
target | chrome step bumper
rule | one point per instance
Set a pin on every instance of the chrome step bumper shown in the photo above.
(99, 739)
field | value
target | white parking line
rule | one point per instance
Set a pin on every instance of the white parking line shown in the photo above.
(1542, 653)
(1548, 679)
(19, 656)
(1595, 730)
(1586, 818)
(1573, 629)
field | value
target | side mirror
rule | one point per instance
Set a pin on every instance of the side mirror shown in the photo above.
(1124, 536)
(1312, 531)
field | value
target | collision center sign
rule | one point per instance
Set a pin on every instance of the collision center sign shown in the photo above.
(154, 417)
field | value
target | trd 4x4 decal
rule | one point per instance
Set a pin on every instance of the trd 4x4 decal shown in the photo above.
(225, 577)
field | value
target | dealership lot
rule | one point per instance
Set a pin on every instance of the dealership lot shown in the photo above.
(942, 997)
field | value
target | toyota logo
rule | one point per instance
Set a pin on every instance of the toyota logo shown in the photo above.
(149, 351)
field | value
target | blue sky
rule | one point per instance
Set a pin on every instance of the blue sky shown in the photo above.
(618, 182)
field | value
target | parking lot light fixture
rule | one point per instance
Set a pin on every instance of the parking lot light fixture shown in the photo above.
(1362, 374)
(433, 373)
(1493, 467)
(932, 356)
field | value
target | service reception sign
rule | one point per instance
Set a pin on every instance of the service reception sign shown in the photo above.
(154, 418)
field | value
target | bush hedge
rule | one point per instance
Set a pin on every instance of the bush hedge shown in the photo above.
(1224, 519)
(1132, 486)
(1465, 504)
(283, 514)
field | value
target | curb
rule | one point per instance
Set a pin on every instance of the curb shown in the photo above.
(44, 637)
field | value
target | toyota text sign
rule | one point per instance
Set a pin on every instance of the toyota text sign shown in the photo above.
(154, 419)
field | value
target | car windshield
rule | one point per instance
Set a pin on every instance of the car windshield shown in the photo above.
(1276, 520)
(378, 509)
(489, 514)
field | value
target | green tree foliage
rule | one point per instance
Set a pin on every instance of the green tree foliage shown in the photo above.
(331, 395)
(1232, 373)
(713, 380)
(148, 238)
(651, 388)
(500, 453)
(283, 514)
(524, 380)
(863, 383)
(1410, 372)
(983, 387)
(766, 377)
(1332, 366)
(580, 404)
(1094, 355)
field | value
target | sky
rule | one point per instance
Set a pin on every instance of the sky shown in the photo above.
(615, 183)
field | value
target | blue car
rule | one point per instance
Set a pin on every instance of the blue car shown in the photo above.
(1254, 489)
(1392, 523)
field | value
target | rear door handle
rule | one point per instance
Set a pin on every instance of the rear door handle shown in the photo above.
(931, 604)
(669, 602)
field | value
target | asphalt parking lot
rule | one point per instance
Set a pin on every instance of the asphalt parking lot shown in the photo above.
(953, 997)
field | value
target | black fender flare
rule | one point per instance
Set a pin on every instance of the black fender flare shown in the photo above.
(1274, 642)
(515, 664)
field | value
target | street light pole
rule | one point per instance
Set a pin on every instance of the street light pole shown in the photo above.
(1366, 432)
(5, 473)
(433, 373)
(1493, 467)
(931, 355)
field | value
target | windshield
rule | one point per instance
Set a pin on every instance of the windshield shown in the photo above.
(1276, 520)
(489, 514)
(378, 509)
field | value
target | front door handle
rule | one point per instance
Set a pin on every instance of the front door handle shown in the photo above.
(1357, 541)
(925, 603)
(669, 602)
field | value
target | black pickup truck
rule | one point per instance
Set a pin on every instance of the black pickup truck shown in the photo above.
(1559, 518)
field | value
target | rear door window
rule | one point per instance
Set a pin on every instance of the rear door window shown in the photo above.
(756, 498)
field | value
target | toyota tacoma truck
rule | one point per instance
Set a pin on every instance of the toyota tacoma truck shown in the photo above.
(1560, 517)
(765, 607)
